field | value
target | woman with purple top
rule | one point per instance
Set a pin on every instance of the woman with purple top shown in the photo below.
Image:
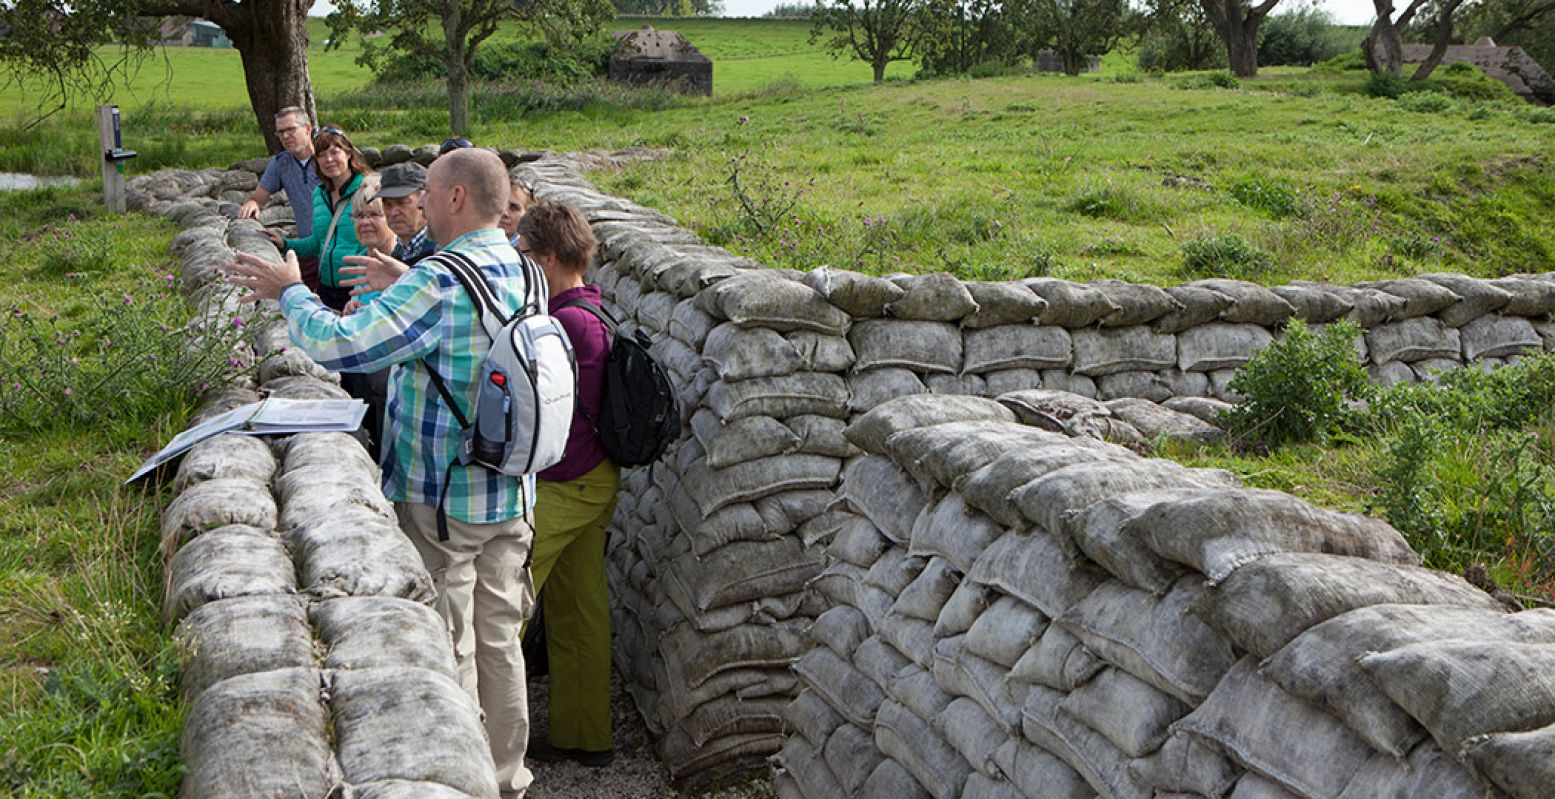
(575, 500)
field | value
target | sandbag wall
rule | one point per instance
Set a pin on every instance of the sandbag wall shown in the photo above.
(1019, 613)
(302, 610)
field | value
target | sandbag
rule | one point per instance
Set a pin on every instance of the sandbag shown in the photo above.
(1205, 409)
(1219, 346)
(1017, 347)
(216, 503)
(951, 530)
(917, 689)
(1421, 297)
(1460, 689)
(227, 562)
(1199, 305)
(225, 456)
(356, 552)
(914, 638)
(410, 724)
(1123, 349)
(911, 742)
(821, 435)
(1529, 297)
(292, 361)
(870, 431)
(1496, 336)
(859, 295)
(1475, 298)
(1070, 305)
(690, 324)
(935, 297)
(218, 401)
(1127, 711)
(692, 658)
(1252, 786)
(340, 450)
(891, 781)
(989, 489)
(401, 789)
(851, 755)
(1008, 303)
(939, 455)
(1004, 381)
(841, 629)
(1058, 661)
(926, 595)
(746, 571)
(305, 387)
(738, 353)
(969, 730)
(742, 439)
(1036, 772)
(1065, 380)
(1427, 772)
(1412, 340)
(810, 716)
(780, 397)
(982, 786)
(1057, 411)
(1520, 763)
(878, 490)
(920, 346)
(367, 632)
(1157, 422)
(1008, 629)
(1268, 602)
(1087, 752)
(764, 299)
(1051, 500)
(729, 715)
(1321, 666)
(1137, 303)
(859, 542)
(876, 386)
(1216, 531)
(260, 735)
(713, 489)
(1188, 765)
(1315, 304)
(1250, 302)
(1370, 307)
(316, 492)
(244, 635)
(1037, 569)
(1251, 719)
(964, 607)
(1153, 639)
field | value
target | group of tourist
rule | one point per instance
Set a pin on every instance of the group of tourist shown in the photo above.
(361, 296)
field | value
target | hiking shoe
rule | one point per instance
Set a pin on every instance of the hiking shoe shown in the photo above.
(542, 751)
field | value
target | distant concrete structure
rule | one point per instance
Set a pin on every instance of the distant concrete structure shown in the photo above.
(648, 56)
(188, 32)
(1049, 60)
(1509, 64)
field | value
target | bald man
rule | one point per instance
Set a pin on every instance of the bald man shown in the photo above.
(425, 320)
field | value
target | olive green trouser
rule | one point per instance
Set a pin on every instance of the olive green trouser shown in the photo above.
(569, 566)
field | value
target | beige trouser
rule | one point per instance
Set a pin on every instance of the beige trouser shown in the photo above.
(484, 594)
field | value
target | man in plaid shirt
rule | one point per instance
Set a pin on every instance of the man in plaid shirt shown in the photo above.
(484, 588)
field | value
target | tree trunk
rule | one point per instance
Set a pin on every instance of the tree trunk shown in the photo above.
(455, 31)
(272, 40)
(1238, 28)
(1443, 39)
(1383, 48)
(878, 65)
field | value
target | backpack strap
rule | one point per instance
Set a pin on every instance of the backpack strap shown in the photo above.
(599, 313)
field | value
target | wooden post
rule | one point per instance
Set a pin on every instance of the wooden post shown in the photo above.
(113, 168)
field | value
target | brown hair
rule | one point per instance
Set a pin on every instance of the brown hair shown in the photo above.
(330, 136)
(552, 228)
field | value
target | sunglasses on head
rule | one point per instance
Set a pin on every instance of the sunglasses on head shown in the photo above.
(332, 129)
(456, 143)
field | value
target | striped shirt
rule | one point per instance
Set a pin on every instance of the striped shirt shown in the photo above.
(425, 314)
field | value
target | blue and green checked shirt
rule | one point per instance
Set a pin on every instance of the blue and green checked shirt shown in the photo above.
(425, 314)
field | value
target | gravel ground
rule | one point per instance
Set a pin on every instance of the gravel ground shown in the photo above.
(636, 772)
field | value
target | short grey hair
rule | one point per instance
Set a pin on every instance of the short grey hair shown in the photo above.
(293, 109)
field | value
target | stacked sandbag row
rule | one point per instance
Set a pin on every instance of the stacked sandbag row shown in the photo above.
(711, 548)
(302, 610)
(1021, 613)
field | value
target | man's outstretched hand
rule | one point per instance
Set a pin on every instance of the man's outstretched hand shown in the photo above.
(263, 279)
(371, 272)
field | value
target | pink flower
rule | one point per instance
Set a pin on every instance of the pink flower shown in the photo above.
(232, 361)
(128, 299)
(237, 321)
(744, 118)
(68, 393)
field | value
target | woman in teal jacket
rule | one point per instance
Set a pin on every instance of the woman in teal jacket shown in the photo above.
(340, 167)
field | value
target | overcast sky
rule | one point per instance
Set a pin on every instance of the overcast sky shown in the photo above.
(1348, 12)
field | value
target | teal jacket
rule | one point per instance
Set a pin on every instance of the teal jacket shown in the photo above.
(344, 242)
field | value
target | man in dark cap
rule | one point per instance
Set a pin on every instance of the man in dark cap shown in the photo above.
(402, 188)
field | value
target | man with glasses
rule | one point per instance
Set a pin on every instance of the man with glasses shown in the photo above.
(291, 169)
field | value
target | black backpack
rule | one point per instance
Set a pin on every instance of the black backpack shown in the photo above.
(640, 415)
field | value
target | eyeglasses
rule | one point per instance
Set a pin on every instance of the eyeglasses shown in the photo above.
(456, 143)
(368, 215)
(289, 129)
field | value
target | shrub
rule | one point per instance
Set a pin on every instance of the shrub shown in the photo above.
(1298, 388)
(1114, 201)
(123, 357)
(1209, 80)
(1427, 102)
(1353, 61)
(1304, 36)
(1227, 255)
(1272, 196)
(1467, 82)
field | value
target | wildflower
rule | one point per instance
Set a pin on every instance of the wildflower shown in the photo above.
(237, 321)
(68, 393)
(128, 299)
(868, 222)
(744, 118)
(232, 361)
(167, 278)
(72, 217)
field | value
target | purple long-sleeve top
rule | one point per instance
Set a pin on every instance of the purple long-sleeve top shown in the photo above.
(591, 346)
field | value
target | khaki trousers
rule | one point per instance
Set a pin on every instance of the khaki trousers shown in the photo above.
(484, 594)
